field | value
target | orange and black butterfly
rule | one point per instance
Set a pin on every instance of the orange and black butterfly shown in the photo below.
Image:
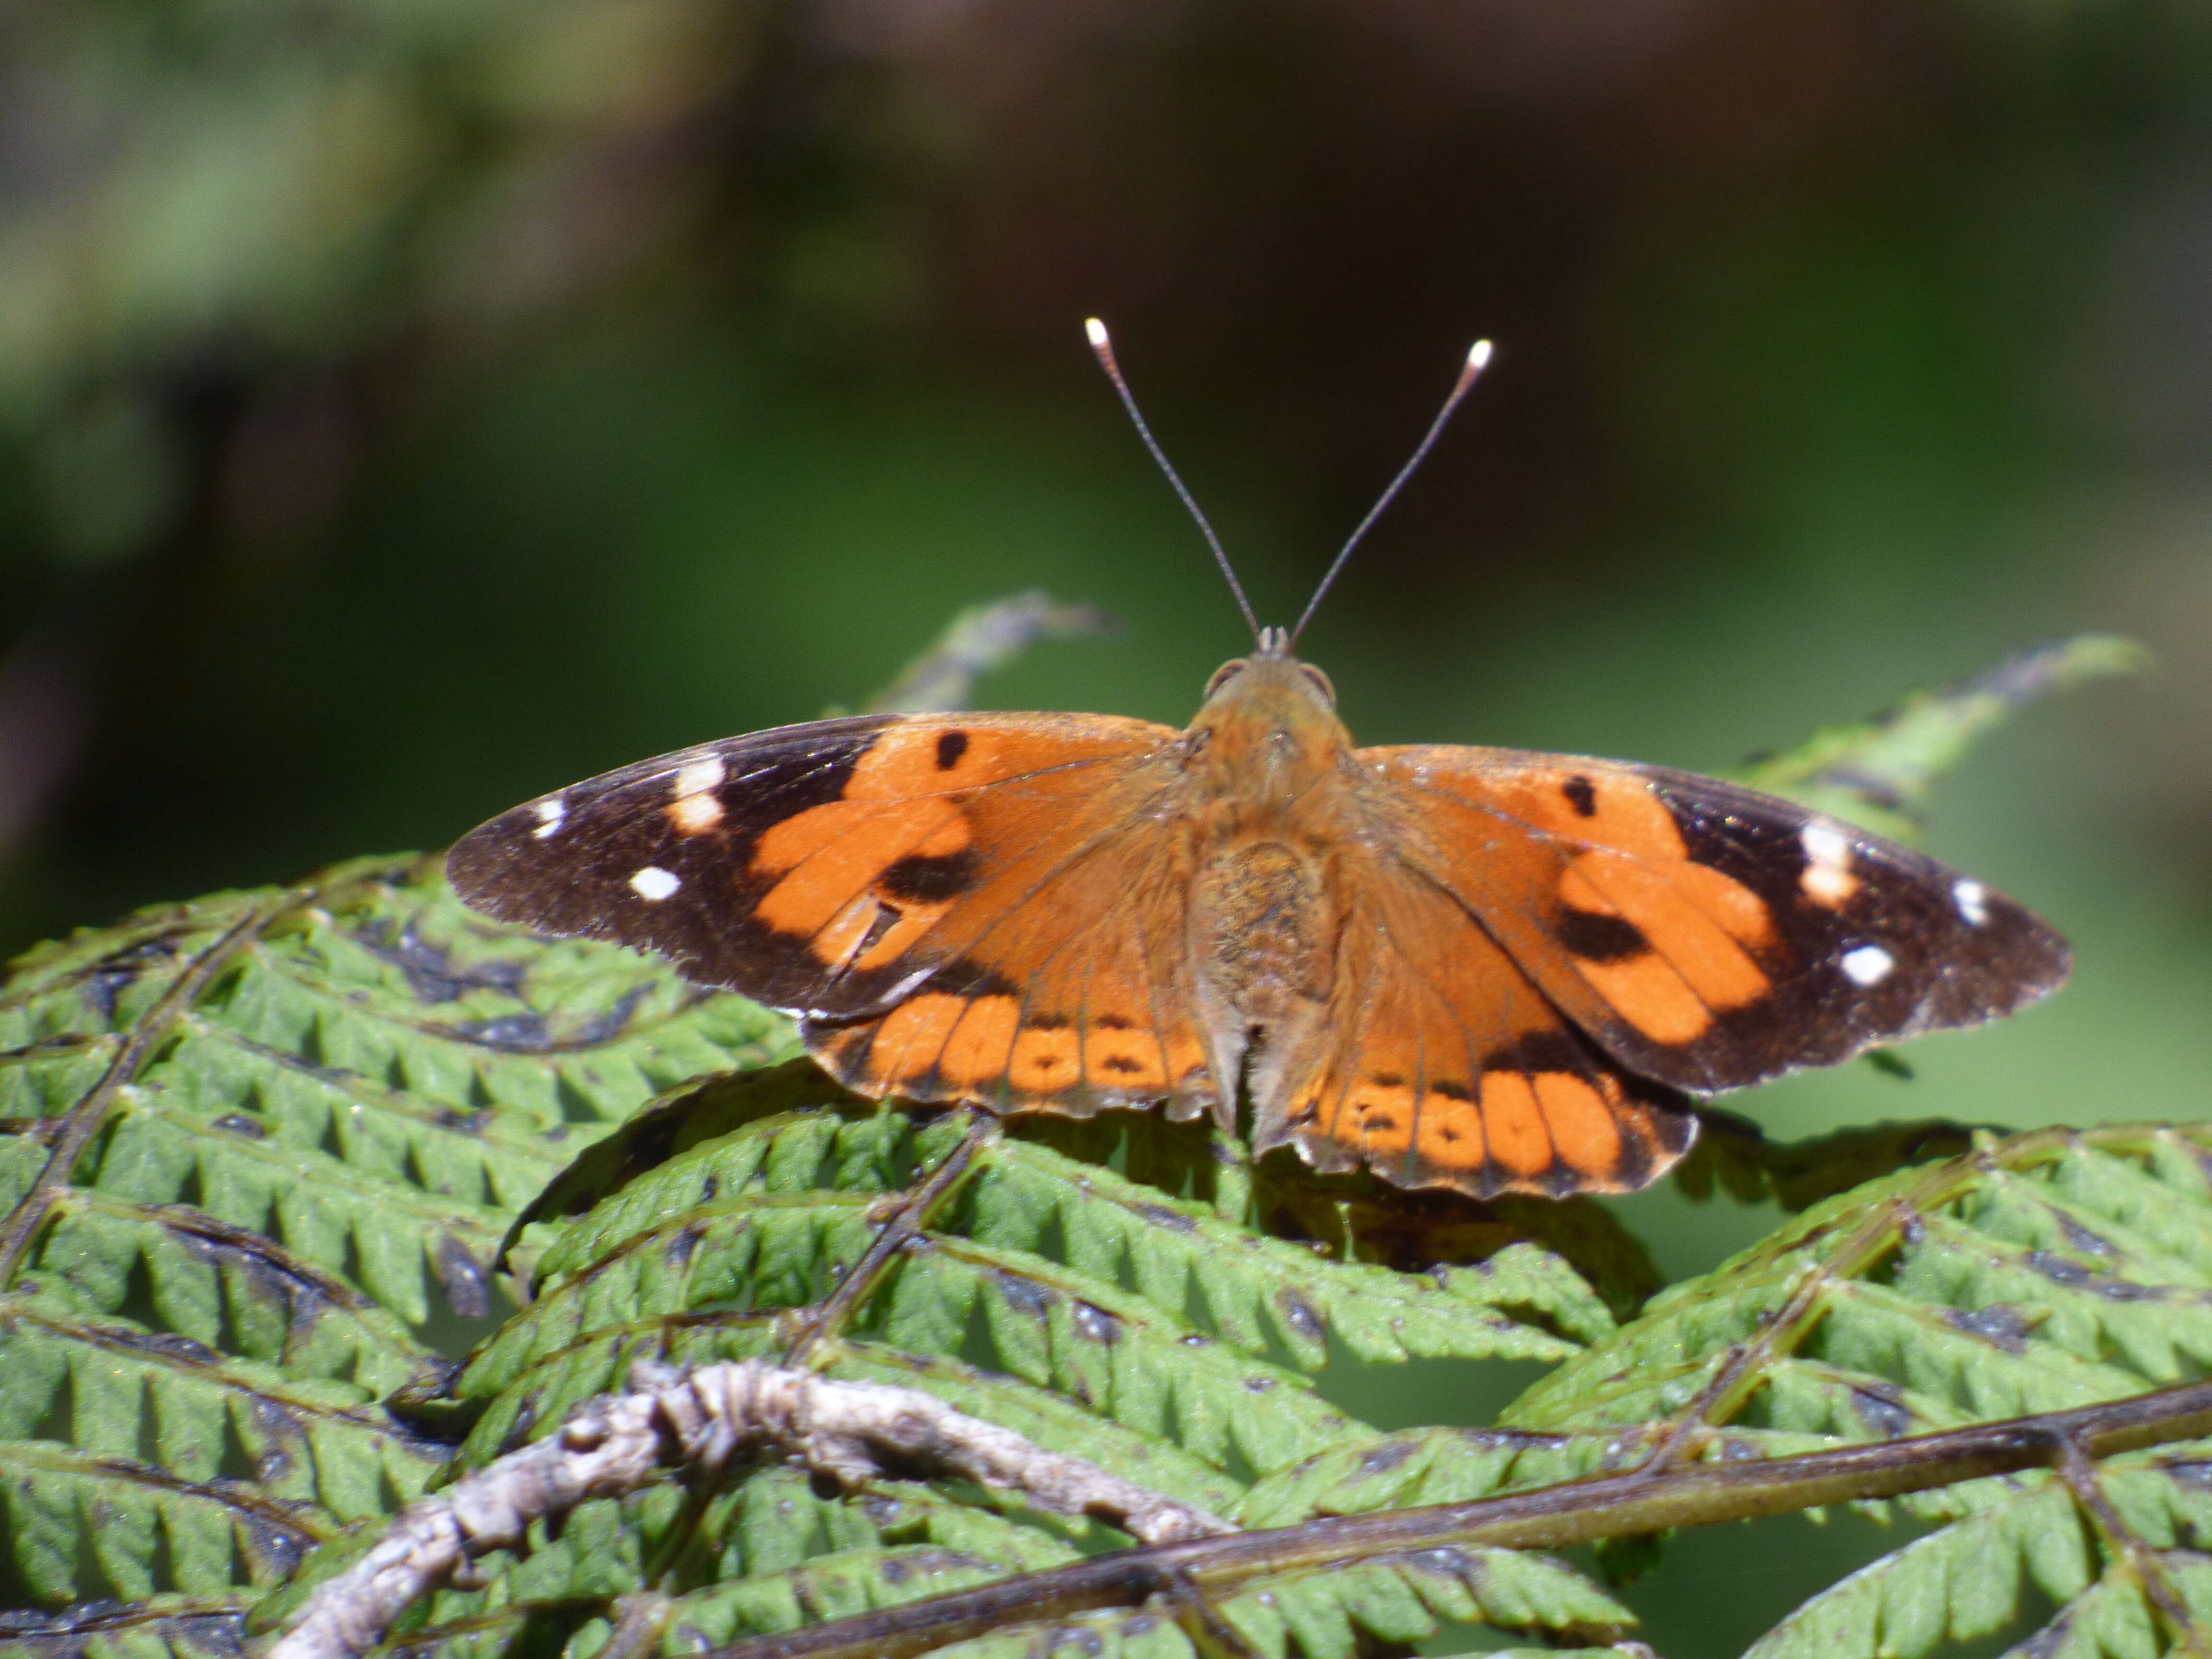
(1487, 969)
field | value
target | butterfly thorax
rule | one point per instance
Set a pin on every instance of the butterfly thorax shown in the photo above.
(1261, 760)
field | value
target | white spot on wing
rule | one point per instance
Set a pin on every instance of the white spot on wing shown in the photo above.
(695, 815)
(1973, 902)
(550, 814)
(1827, 879)
(1869, 965)
(696, 809)
(698, 776)
(654, 882)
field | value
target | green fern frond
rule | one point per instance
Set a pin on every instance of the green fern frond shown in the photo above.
(243, 1142)
(359, 1070)
(82, 1527)
(2046, 1271)
(115, 1389)
(256, 1152)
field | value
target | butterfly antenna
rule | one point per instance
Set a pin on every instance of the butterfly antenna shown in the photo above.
(1478, 359)
(1103, 348)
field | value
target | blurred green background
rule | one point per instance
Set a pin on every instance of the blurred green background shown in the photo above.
(409, 405)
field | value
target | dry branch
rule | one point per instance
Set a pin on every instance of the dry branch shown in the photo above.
(1648, 1498)
(698, 1420)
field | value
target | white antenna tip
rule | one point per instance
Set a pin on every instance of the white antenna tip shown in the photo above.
(1095, 332)
(1480, 357)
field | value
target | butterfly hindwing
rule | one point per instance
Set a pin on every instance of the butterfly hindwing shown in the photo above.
(1444, 1064)
(1073, 997)
(1705, 935)
(943, 899)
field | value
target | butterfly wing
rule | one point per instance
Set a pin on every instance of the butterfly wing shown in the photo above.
(1704, 935)
(1443, 1064)
(945, 901)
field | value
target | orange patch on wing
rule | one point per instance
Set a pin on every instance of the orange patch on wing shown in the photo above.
(1185, 1053)
(1044, 1059)
(832, 854)
(1624, 812)
(1450, 1134)
(837, 837)
(782, 846)
(1514, 1123)
(909, 760)
(810, 897)
(977, 1050)
(1582, 1127)
(954, 835)
(1649, 995)
(1741, 912)
(1123, 1057)
(1577, 892)
(912, 1037)
(1630, 816)
(843, 934)
(959, 1040)
(1384, 1114)
(914, 919)
(1698, 949)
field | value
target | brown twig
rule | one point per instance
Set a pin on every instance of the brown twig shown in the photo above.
(1552, 1517)
(701, 1420)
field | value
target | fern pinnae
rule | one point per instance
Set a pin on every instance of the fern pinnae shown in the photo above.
(381, 1081)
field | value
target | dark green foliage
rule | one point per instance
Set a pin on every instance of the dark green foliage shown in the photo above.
(262, 1156)
(252, 1144)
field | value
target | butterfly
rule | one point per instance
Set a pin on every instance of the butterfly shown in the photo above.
(1485, 969)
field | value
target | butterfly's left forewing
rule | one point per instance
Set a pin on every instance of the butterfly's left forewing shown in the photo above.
(949, 903)
(1704, 935)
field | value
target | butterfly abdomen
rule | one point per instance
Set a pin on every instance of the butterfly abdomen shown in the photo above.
(1263, 947)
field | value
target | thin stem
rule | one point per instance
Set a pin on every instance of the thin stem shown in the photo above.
(914, 1210)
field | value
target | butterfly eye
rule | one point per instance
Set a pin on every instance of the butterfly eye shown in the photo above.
(1320, 683)
(1223, 675)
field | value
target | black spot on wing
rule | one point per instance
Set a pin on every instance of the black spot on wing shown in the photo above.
(951, 746)
(1557, 1049)
(1580, 796)
(930, 880)
(965, 978)
(1597, 937)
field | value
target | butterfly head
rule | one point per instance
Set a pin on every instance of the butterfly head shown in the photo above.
(1272, 656)
(1270, 709)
